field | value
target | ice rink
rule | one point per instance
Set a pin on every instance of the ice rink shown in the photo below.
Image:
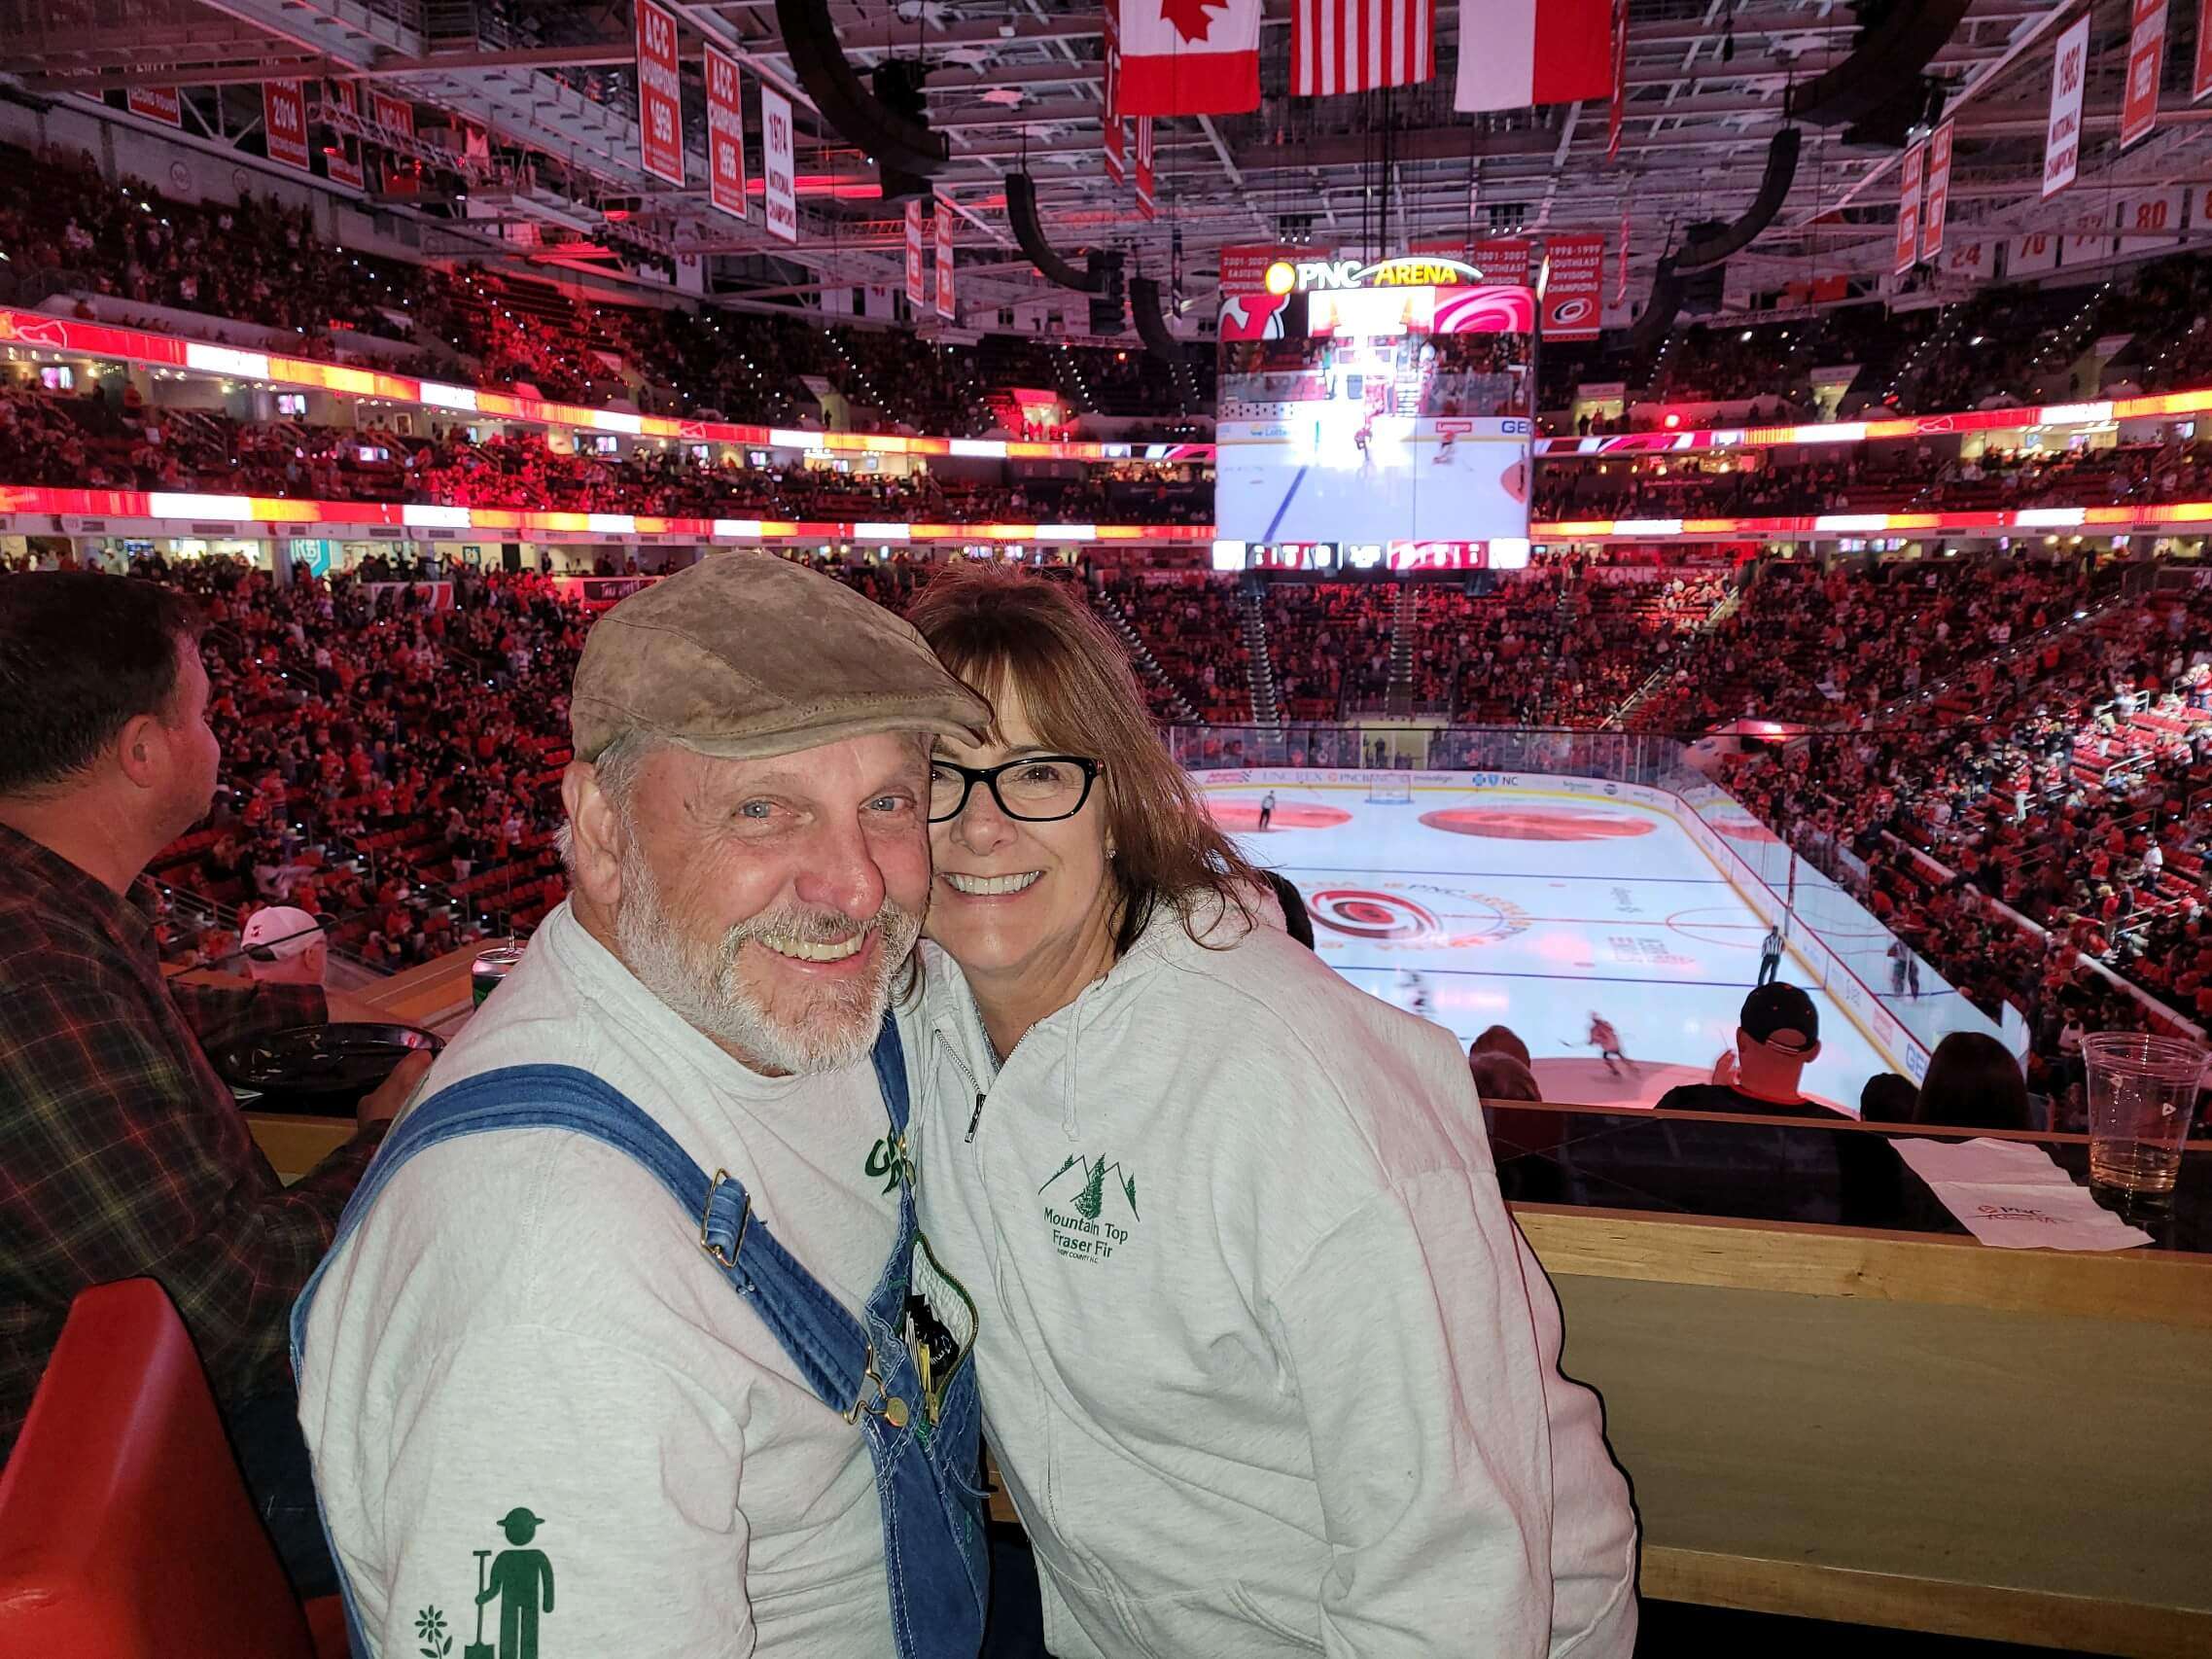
(1532, 910)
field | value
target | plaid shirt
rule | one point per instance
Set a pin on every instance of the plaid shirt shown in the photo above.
(121, 1153)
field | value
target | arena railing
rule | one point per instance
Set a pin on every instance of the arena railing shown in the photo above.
(1841, 945)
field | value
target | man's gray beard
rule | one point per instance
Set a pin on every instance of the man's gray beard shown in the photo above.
(707, 990)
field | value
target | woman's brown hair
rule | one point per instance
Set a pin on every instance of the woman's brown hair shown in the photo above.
(1000, 628)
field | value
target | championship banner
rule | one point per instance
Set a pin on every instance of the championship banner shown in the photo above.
(1111, 136)
(917, 284)
(947, 305)
(2200, 77)
(1504, 259)
(779, 182)
(1574, 287)
(726, 133)
(164, 104)
(1621, 271)
(1146, 200)
(1244, 269)
(2146, 59)
(660, 108)
(284, 123)
(392, 115)
(339, 159)
(1908, 208)
(2063, 138)
(1934, 207)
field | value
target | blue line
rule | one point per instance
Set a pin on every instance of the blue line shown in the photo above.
(1288, 496)
(1578, 979)
(1522, 875)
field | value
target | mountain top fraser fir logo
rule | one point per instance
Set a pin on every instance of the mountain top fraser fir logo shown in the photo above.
(1090, 1207)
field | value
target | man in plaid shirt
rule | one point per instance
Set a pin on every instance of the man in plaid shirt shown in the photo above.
(121, 1153)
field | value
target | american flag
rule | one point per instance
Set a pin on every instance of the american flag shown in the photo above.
(1350, 46)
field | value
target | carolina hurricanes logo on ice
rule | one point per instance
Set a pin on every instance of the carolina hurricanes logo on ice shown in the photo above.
(1415, 915)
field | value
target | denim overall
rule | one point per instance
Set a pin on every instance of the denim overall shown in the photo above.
(926, 1462)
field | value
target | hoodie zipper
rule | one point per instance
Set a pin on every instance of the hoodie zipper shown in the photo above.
(974, 1119)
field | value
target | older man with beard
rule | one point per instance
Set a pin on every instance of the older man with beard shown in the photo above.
(694, 1386)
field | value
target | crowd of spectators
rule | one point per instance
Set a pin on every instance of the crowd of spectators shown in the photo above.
(106, 437)
(392, 750)
(1329, 643)
(1193, 627)
(2058, 809)
(1826, 646)
(257, 261)
(1880, 478)
(389, 765)
(2015, 343)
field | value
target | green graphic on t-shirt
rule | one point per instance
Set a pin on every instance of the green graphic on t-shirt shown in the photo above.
(430, 1629)
(889, 1158)
(521, 1578)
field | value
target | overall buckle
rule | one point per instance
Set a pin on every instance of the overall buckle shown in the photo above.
(744, 1220)
(891, 1409)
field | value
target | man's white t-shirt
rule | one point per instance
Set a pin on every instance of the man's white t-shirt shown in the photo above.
(526, 1321)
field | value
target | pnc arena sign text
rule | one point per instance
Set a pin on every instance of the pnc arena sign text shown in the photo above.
(1410, 270)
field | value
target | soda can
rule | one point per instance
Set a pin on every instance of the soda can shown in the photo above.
(490, 967)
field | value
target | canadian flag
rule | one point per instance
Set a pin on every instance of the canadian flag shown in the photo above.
(1533, 51)
(1189, 57)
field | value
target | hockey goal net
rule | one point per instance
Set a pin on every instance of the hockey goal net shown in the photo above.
(1384, 790)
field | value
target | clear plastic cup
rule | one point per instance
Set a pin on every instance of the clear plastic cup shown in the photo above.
(2142, 1095)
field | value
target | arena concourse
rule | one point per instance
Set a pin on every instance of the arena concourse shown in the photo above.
(1584, 627)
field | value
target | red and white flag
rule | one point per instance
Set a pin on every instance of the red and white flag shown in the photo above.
(1111, 135)
(1147, 197)
(1533, 51)
(1189, 57)
(1351, 46)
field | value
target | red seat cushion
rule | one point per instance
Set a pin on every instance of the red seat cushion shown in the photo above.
(125, 1531)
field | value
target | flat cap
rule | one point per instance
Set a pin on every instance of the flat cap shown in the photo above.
(745, 656)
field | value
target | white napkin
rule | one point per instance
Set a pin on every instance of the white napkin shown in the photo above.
(2011, 1194)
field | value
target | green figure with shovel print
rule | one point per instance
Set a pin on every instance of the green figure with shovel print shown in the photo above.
(517, 1577)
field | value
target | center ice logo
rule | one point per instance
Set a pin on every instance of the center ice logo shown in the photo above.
(1440, 918)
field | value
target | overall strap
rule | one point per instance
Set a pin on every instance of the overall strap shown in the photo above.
(824, 1340)
(889, 1058)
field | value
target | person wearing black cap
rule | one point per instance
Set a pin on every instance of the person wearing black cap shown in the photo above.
(1777, 1036)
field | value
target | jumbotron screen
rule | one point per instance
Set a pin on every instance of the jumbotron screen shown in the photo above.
(1375, 415)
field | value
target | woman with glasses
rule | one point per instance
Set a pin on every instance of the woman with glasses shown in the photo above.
(1266, 1365)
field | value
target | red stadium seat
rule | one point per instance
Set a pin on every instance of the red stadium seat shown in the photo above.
(126, 1532)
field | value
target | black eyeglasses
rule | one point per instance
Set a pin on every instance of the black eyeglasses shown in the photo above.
(1035, 789)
